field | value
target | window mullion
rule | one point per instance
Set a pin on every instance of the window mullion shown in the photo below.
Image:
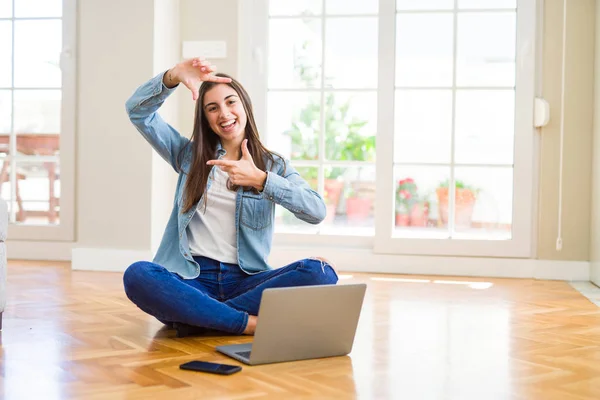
(386, 94)
(12, 141)
(323, 113)
(451, 182)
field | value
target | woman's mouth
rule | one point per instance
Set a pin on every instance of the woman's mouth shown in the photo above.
(229, 126)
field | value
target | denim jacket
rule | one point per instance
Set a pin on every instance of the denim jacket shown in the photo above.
(254, 213)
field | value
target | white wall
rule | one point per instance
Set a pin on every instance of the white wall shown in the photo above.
(208, 20)
(166, 54)
(123, 193)
(595, 206)
(115, 55)
(577, 161)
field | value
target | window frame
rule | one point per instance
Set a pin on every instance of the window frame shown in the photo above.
(252, 53)
(64, 230)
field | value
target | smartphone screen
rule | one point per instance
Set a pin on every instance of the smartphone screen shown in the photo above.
(204, 366)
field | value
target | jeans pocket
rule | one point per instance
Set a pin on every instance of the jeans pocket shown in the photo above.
(256, 211)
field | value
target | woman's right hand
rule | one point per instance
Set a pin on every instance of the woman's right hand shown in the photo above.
(192, 73)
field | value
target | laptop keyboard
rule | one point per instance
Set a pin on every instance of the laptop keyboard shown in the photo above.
(245, 354)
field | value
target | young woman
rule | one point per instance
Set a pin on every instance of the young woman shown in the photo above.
(211, 267)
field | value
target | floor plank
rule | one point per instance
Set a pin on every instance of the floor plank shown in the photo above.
(74, 335)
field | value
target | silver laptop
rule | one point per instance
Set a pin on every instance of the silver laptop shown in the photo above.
(303, 322)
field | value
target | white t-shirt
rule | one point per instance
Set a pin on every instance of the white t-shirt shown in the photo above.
(211, 232)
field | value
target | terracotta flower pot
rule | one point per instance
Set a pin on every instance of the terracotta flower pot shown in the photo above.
(419, 215)
(333, 188)
(402, 219)
(358, 208)
(463, 206)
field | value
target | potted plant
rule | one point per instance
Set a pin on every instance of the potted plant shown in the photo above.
(343, 142)
(406, 193)
(343, 138)
(411, 209)
(465, 198)
(358, 207)
(419, 215)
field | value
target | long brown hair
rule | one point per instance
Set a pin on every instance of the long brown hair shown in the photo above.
(204, 143)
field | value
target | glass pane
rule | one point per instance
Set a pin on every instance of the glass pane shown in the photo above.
(350, 126)
(38, 8)
(43, 144)
(483, 4)
(4, 144)
(423, 126)
(37, 111)
(295, 53)
(334, 192)
(5, 53)
(351, 53)
(416, 205)
(424, 50)
(485, 128)
(5, 9)
(286, 221)
(37, 52)
(486, 49)
(350, 200)
(293, 124)
(352, 6)
(424, 4)
(5, 111)
(5, 189)
(295, 7)
(484, 203)
(310, 175)
(37, 192)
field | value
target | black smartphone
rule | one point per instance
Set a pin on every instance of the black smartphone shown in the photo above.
(214, 368)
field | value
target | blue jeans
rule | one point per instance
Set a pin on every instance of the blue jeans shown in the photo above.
(222, 297)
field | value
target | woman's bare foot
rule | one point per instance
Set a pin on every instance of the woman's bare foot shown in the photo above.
(327, 262)
(251, 326)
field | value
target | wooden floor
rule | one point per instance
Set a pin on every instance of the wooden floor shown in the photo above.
(74, 335)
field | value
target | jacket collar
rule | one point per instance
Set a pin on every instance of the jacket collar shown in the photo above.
(220, 150)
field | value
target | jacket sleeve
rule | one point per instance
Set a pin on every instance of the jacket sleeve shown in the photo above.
(142, 109)
(287, 188)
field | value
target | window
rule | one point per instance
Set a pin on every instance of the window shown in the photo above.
(412, 118)
(322, 106)
(36, 116)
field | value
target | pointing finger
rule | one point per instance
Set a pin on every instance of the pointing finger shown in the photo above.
(221, 163)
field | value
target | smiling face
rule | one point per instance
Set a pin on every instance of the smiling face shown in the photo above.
(225, 113)
(219, 105)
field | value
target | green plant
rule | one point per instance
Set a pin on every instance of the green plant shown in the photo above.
(458, 184)
(406, 195)
(343, 138)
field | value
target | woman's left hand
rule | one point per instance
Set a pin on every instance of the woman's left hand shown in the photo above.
(242, 172)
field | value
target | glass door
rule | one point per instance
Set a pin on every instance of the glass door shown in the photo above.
(37, 76)
(413, 119)
(462, 160)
